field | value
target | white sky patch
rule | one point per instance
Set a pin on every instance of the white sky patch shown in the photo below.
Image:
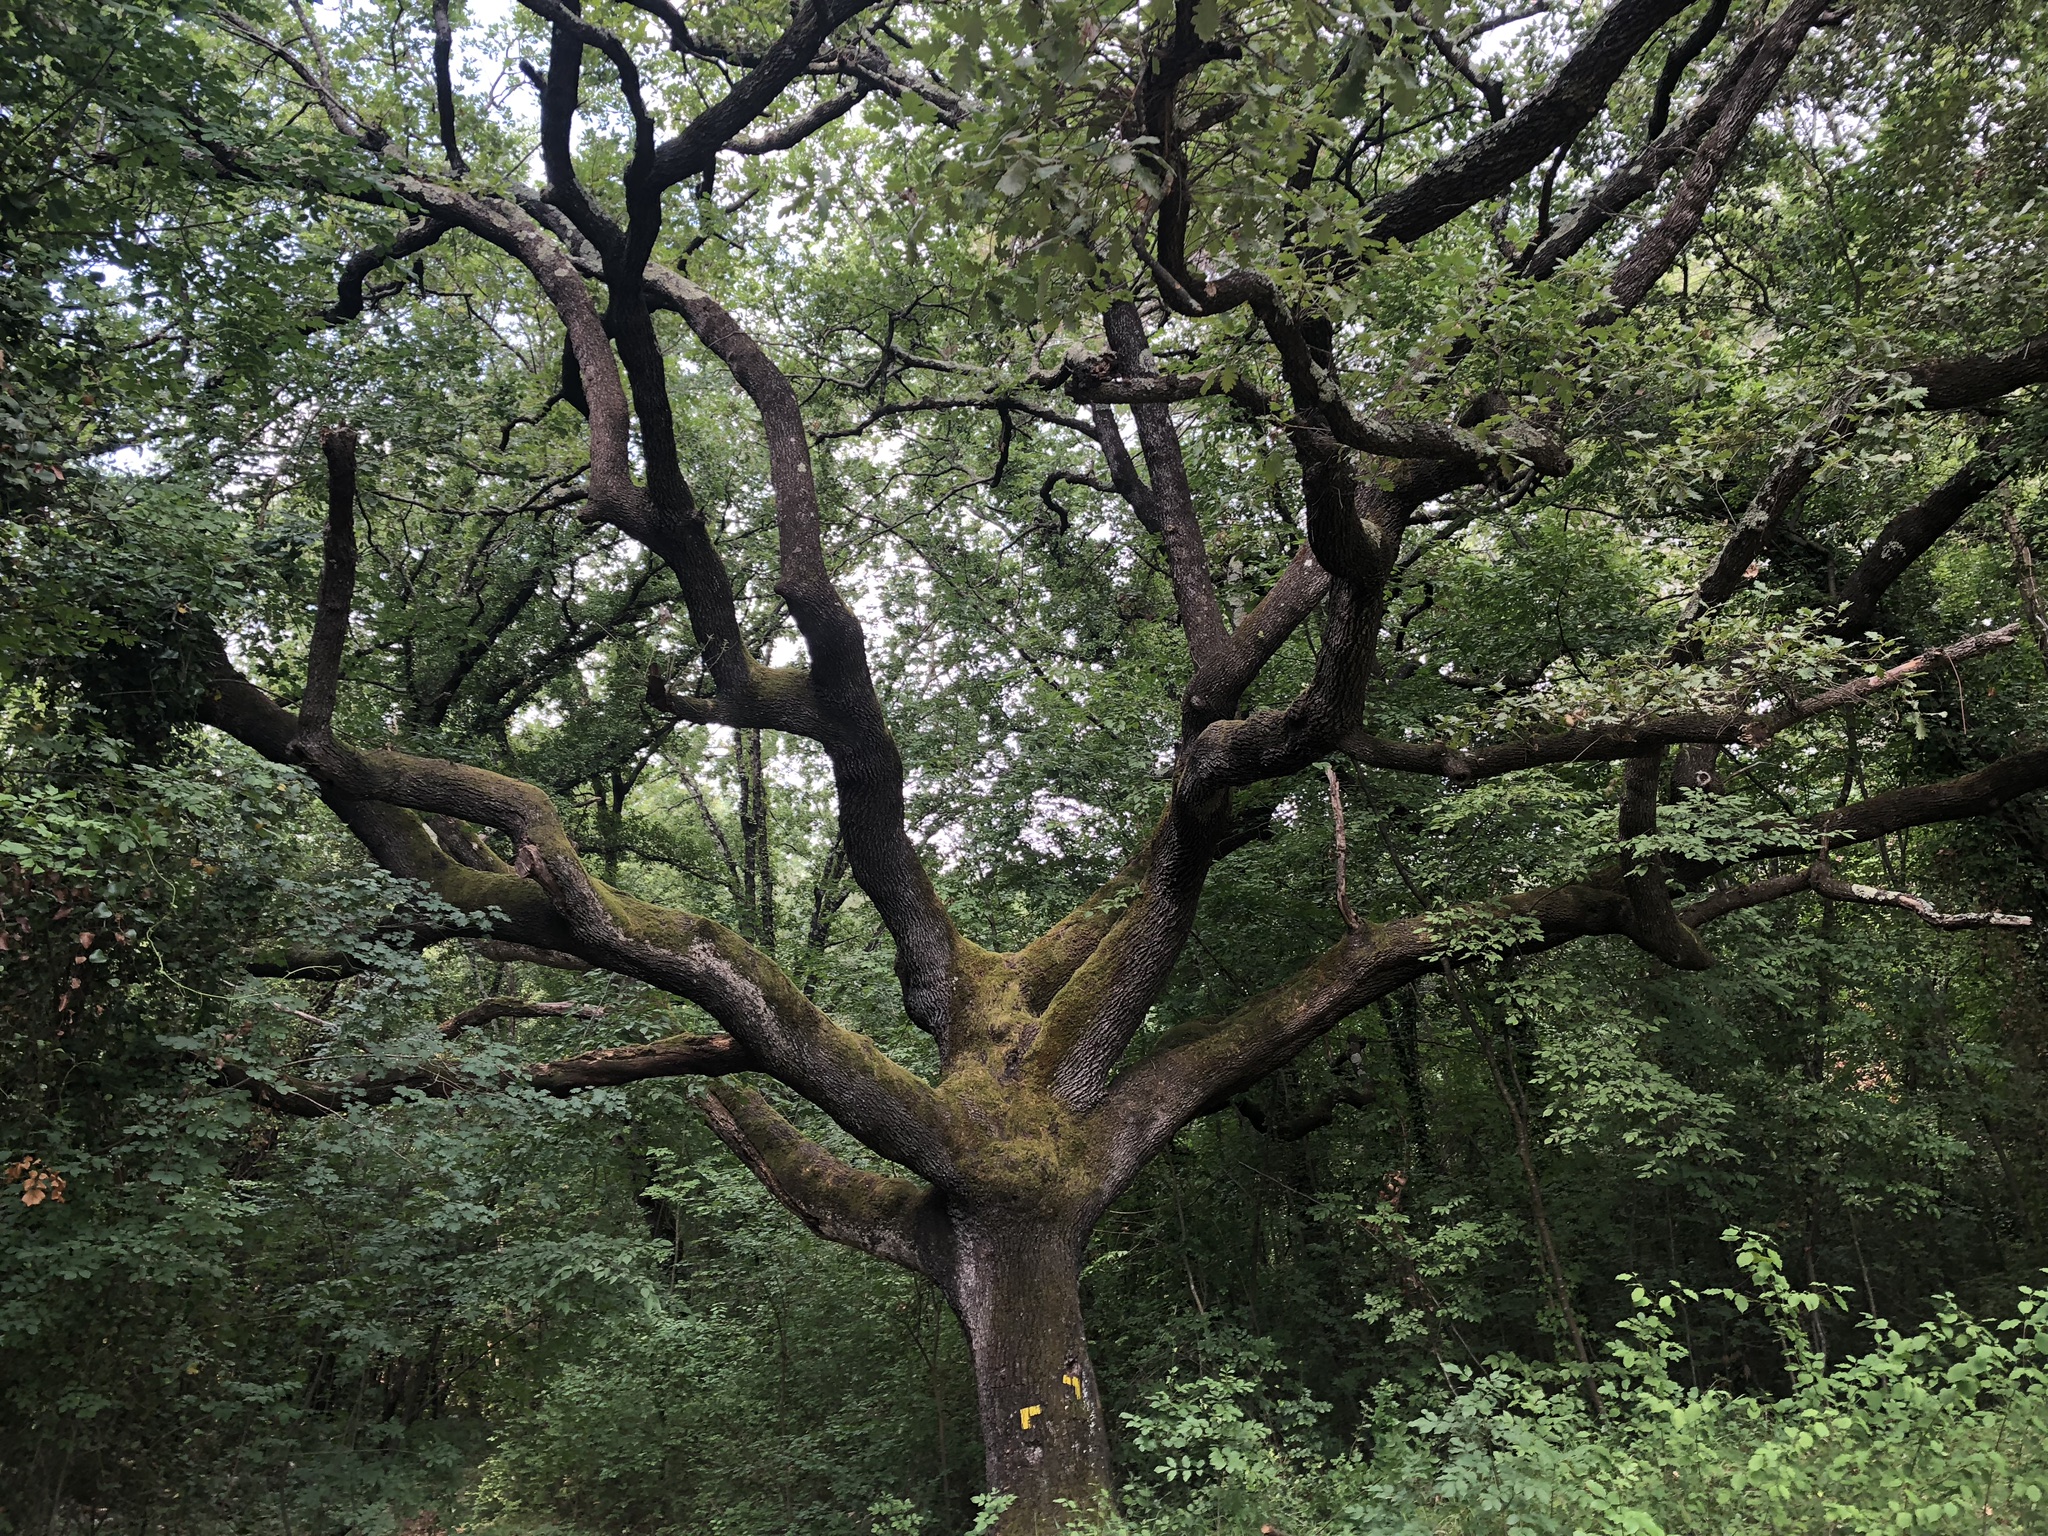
(1501, 40)
(1060, 826)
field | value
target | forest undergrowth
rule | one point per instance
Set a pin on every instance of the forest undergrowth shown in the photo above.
(1940, 1428)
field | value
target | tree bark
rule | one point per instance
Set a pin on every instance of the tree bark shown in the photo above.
(1016, 1287)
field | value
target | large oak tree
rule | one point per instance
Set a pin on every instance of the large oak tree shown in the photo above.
(1286, 302)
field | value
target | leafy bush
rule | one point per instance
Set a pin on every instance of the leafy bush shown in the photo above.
(1943, 1429)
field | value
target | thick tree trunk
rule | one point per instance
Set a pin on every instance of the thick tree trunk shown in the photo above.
(1017, 1289)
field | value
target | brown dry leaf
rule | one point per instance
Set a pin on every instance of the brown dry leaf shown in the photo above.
(37, 1182)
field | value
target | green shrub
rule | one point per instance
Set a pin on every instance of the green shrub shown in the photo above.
(1944, 1429)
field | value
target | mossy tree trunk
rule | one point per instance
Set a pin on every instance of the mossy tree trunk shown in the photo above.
(1016, 1287)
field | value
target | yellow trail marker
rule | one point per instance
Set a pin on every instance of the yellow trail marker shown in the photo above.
(1075, 1383)
(1026, 1415)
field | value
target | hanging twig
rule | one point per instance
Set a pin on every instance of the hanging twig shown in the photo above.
(732, 865)
(1337, 816)
(2030, 590)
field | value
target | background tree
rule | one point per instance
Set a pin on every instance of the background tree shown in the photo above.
(1513, 472)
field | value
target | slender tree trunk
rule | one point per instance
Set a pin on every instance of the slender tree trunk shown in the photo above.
(1016, 1286)
(1509, 1086)
(1404, 1031)
(758, 870)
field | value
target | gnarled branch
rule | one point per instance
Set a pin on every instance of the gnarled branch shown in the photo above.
(614, 1067)
(888, 1217)
(1630, 738)
(1826, 883)
(492, 1009)
(1204, 1062)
